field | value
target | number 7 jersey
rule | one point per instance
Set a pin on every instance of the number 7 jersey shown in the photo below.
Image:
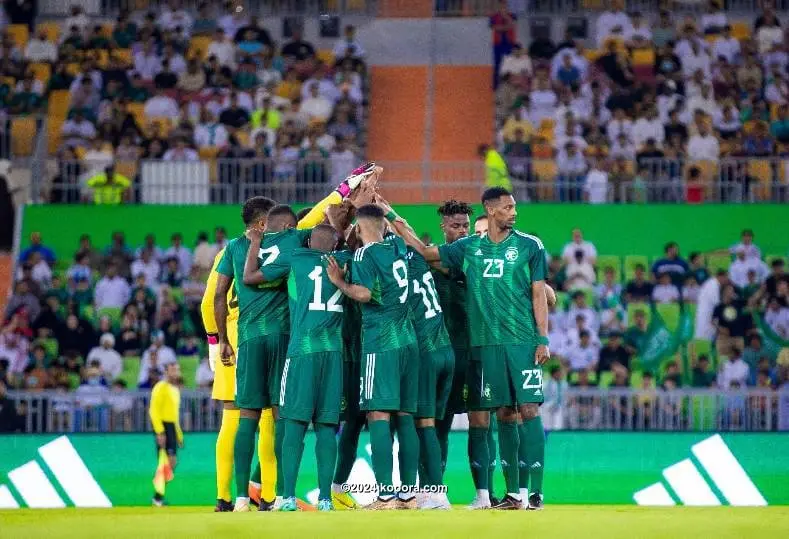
(499, 277)
(382, 268)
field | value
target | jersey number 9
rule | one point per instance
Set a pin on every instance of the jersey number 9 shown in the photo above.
(400, 272)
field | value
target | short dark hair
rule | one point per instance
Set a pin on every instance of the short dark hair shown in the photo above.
(282, 210)
(454, 207)
(669, 245)
(370, 211)
(480, 218)
(777, 263)
(747, 232)
(492, 193)
(302, 213)
(256, 208)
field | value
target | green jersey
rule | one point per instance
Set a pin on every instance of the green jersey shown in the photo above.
(452, 296)
(427, 315)
(382, 268)
(499, 277)
(263, 310)
(316, 305)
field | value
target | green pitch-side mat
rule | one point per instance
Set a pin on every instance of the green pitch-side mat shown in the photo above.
(659, 469)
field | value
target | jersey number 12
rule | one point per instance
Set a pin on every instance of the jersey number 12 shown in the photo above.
(317, 304)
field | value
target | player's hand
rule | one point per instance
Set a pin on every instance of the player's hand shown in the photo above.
(213, 351)
(541, 355)
(364, 195)
(160, 440)
(334, 271)
(227, 355)
(254, 234)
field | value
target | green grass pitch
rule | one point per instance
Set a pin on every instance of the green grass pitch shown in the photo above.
(582, 521)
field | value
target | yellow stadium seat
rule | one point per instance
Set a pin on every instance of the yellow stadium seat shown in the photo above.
(106, 29)
(748, 127)
(125, 55)
(52, 30)
(709, 169)
(762, 170)
(741, 30)
(126, 168)
(208, 153)
(102, 58)
(592, 55)
(138, 111)
(54, 126)
(199, 44)
(41, 71)
(545, 169)
(163, 125)
(19, 34)
(242, 137)
(774, 110)
(9, 81)
(58, 103)
(73, 69)
(643, 57)
(23, 135)
(326, 56)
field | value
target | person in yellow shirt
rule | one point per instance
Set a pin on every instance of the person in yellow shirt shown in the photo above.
(164, 413)
(109, 187)
(496, 172)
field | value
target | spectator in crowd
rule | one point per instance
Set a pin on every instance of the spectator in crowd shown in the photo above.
(582, 356)
(580, 307)
(596, 184)
(112, 290)
(297, 48)
(555, 404)
(613, 355)
(37, 246)
(503, 24)
(703, 146)
(10, 419)
(23, 299)
(348, 45)
(739, 269)
(110, 362)
(147, 265)
(109, 187)
(776, 316)
(672, 264)
(665, 291)
(731, 322)
(40, 49)
(702, 375)
(636, 334)
(734, 372)
(638, 290)
(517, 64)
(613, 23)
(580, 272)
(746, 244)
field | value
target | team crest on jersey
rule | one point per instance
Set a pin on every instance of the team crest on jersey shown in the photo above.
(511, 254)
(486, 392)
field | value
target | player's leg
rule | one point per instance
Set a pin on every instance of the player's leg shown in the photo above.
(353, 423)
(408, 454)
(277, 347)
(251, 396)
(296, 406)
(493, 429)
(224, 389)
(479, 426)
(429, 450)
(523, 469)
(327, 385)
(456, 403)
(380, 398)
(527, 378)
(264, 476)
(444, 363)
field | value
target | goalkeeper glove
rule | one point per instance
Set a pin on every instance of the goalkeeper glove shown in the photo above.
(355, 178)
(213, 351)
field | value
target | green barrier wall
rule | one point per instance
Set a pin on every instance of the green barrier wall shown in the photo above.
(615, 229)
(581, 468)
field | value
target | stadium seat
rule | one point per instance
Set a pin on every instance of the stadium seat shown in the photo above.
(41, 71)
(606, 379)
(131, 371)
(125, 55)
(741, 30)
(52, 30)
(54, 127)
(605, 261)
(88, 312)
(631, 261)
(326, 56)
(8, 81)
(544, 169)
(562, 299)
(126, 168)
(644, 57)
(669, 312)
(243, 138)
(59, 101)
(633, 307)
(50, 346)
(718, 262)
(138, 111)
(19, 34)
(189, 366)
(73, 69)
(113, 312)
(701, 347)
(198, 46)
(23, 136)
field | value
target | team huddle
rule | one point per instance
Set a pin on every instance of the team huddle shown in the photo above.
(343, 318)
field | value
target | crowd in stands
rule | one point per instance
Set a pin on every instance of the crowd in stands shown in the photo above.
(181, 86)
(649, 96)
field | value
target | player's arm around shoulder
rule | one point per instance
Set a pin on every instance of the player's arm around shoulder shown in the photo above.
(338, 275)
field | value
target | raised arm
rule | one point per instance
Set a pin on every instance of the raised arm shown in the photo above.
(404, 230)
(252, 274)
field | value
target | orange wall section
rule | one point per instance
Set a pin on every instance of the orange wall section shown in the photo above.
(422, 9)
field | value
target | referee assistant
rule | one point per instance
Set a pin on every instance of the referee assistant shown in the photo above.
(164, 408)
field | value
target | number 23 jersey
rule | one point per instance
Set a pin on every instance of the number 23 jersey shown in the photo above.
(499, 277)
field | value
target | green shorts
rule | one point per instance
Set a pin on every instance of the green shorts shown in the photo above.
(312, 388)
(279, 346)
(476, 398)
(436, 370)
(456, 404)
(509, 376)
(256, 363)
(390, 380)
(351, 382)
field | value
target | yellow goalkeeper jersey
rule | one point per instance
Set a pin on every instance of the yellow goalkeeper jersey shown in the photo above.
(207, 304)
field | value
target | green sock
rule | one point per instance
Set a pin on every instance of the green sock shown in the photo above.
(535, 452)
(381, 443)
(408, 455)
(279, 435)
(255, 477)
(478, 456)
(508, 451)
(243, 451)
(421, 471)
(443, 428)
(523, 468)
(325, 455)
(346, 450)
(491, 437)
(430, 455)
(292, 450)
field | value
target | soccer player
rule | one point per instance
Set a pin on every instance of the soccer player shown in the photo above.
(311, 386)
(164, 413)
(388, 392)
(481, 225)
(508, 318)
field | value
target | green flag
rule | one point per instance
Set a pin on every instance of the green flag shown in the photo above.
(659, 343)
(772, 343)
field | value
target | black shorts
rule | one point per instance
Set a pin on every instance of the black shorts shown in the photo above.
(170, 439)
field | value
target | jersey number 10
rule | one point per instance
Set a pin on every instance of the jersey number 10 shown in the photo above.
(317, 305)
(432, 306)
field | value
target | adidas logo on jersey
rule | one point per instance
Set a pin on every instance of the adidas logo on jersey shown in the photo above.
(536, 465)
(478, 253)
(538, 392)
